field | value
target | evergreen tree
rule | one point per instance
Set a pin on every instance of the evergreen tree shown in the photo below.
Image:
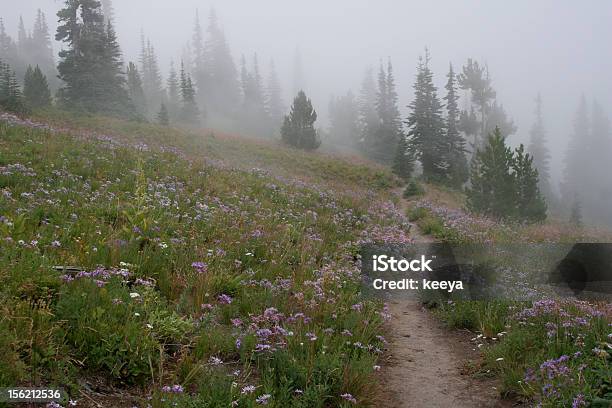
(23, 39)
(190, 113)
(383, 143)
(368, 116)
(455, 151)
(174, 88)
(254, 114)
(539, 150)
(578, 154)
(36, 89)
(344, 121)
(298, 127)
(162, 117)
(493, 188)
(221, 94)
(529, 201)
(8, 48)
(403, 163)
(91, 64)
(426, 126)
(150, 74)
(274, 100)
(135, 91)
(10, 93)
(43, 50)
(201, 72)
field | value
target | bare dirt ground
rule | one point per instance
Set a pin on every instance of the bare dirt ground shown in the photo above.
(428, 366)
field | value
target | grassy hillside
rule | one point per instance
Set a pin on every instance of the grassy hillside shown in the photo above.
(145, 265)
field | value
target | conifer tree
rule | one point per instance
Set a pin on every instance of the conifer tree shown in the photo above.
(174, 88)
(43, 50)
(426, 126)
(91, 64)
(162, 116)
(403, 163)
(274, 100)
(298, 127)
(529, 201)
(368, 116)
(578, 153)
(11, 98)
(36, 89)
(190, 113)
(135, 91)
(152, 85)
(344, 120)
(455, 143)
(493, 188)
(383, 143)
(539, 151)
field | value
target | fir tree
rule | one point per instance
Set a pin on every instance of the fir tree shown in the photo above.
(455, 151)
(298, 127)
(135, 91)
(162, 116)
(492, 191)
(274, 99)
(174, 88)
(152, 85)
(344, 121)
(221, 94)
(403, 163)
(43, 50)
(368, 116)
(36, 89)
(190, 113)
(426, 126)
(254, 115)
(539, 150)
(529, 201)
(383, 143)
(10, 93)
(91, 64)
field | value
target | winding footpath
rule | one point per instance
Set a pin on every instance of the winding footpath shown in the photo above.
(426, 363)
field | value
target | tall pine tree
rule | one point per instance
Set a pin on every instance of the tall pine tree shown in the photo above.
(91, 63)
(539, 150)
(135, 91)
(190, 113)
(426, 126)
(455, 143)
(36, 89)
(298, 127)
(274, 100)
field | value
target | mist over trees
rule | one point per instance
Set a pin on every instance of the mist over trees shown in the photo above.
(436, 135)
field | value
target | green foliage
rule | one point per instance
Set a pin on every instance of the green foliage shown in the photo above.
(135, 91)
(36, 89)
(413, 189)
(190, 112)
(90, 65)
(504, 184)
(298, 127)
(403, 164)
(426, 126)
(11, 98)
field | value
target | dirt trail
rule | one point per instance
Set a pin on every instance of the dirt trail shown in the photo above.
(426, 361)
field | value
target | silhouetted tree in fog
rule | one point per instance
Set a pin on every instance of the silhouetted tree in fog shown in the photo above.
(135, 91)
(173, 87)
(382, 143)
(298, 127)
(190, 113)
(11, 98)
(274, 100)
(426, 126)
(91, 64)
(539, 150)
(152, 84)
(162, 116)
(36, 89)
(368, 117)
(454, 144)
(344, 121)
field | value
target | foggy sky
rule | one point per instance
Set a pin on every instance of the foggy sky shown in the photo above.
(560, 48)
